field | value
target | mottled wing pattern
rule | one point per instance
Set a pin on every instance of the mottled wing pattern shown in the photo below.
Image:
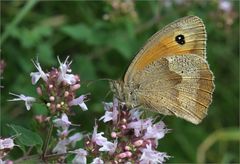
(176, 85)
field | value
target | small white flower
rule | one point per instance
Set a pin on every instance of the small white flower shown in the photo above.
(110, 115)
(6, 143)
(156, 131)
(79, 101)
(62, 122)
(61, 147)
(107, 106)
(152, 156)
(28, 100)
(109, 146)
(37, 75)
(74, 138)
(80, 157)
(225, 5)
(64, 69)
(139, 126)
(97, 137)
(64, 132)
(2, 162)
(97, 161)
(135, 114)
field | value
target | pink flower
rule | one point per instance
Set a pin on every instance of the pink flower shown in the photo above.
(135, 114)
(225, 5)
(79, 101)
(80, 157)
(62, 122)
(97, 137)
(97, 161)
(109, 146)
(111, 111)
(63, 133)
(37, 75)
(64, 69)
(152, 156)
(6, 143)
(139, 126)
(74, 138)
(61, 147)
(28, 100)
(156, 131)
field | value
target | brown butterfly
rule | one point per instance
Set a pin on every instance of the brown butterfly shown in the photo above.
(170, 75)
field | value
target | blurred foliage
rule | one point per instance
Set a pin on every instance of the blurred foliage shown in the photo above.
(101, 38)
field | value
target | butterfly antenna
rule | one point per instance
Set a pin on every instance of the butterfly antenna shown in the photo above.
(108, 93)
(163, 118)
(93, 81)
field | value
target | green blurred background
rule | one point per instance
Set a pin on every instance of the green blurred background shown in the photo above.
(101, 39)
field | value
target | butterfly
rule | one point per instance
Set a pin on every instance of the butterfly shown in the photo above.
(170, 74)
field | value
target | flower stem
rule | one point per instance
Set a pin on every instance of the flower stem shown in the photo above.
(45, 146)
(28, 6)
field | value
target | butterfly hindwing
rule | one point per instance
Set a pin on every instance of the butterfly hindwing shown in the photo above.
(179, 85)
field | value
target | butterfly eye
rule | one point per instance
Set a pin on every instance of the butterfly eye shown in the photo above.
(180, 39)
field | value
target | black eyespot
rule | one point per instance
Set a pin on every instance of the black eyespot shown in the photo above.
(180, 39)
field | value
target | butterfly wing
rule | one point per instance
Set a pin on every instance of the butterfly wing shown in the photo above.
(177, 85)
(172, 77)
(163, 43)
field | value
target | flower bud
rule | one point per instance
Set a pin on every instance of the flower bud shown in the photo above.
(39, 91)
(124, 127)
(114, 134)
(138, 143)
(127, 148)
(66, 93)
(128, 153)
(124, 120)
(51, 98)
(75, 87)
(122, 155)
(58, 106)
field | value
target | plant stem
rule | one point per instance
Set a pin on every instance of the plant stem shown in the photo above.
(45, 146)
(28, 6)
(220, 135)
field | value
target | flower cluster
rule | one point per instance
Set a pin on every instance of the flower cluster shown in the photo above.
(6, 145)
(121, 8)
(132, 139)
(65, 140)
(227, 11)
(58, 90)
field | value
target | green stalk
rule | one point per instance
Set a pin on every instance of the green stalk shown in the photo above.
(28, 6)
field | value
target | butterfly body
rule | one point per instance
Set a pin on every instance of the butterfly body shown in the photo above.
(170, 75)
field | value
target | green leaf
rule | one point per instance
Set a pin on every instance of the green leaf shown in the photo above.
(78, 32)
(85, 67)
(45, 53)
(26, 137)
(123, 44)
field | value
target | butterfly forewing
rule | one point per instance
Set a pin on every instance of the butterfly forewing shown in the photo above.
(163, 43)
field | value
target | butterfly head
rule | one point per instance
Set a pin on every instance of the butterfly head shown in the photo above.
(123, 92)
(117, 89)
